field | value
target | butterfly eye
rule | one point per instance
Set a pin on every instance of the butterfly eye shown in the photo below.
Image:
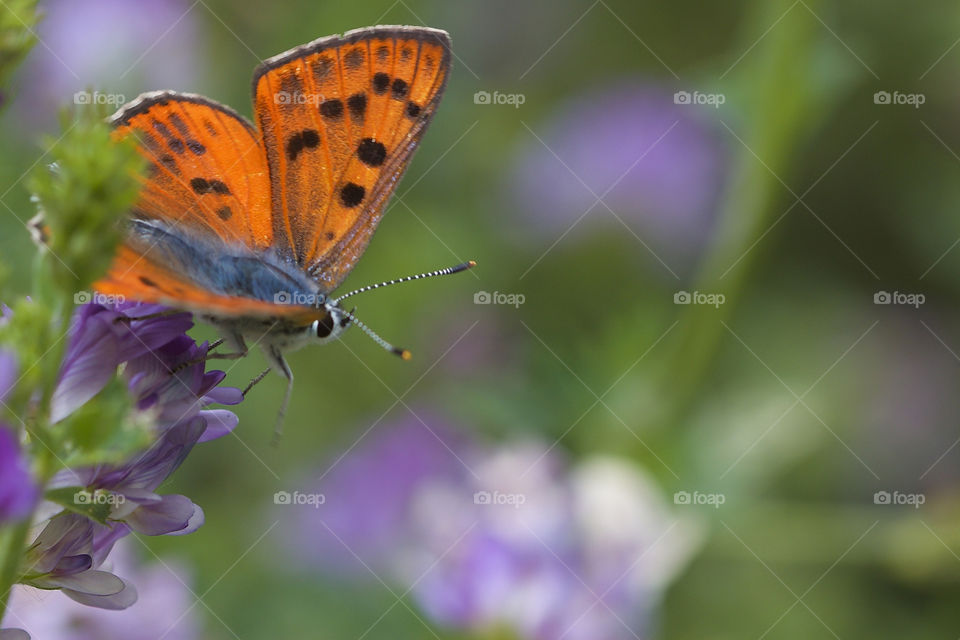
(323, 328)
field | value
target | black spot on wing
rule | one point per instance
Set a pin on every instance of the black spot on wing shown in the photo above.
(216, 186)
(400, 89)
(413, 109)
(371, 152)
(296, 143)
(225, 213)
(380, 83)
(357, 104)
(351, 194)
(332, 109)
(180, 125)
(321, 69)
(199, 185)
(354, 58)
(310, 138)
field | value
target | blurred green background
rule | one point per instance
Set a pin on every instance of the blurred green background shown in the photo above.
(802, 198)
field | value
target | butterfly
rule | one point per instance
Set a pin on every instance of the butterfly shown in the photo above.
(253, 226)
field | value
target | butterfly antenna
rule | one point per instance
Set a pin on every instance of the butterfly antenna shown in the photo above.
(403, 353)
(439, 272)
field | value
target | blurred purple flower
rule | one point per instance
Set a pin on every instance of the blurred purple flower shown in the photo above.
(492, 538)
(165, 608)
(656, 164)
(113, 46)
(18, 491)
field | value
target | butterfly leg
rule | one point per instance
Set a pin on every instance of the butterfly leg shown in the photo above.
(275, 358)
(255, 381)
(235, 340)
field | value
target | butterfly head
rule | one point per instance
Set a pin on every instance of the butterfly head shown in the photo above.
(336, 320)
(332, 325)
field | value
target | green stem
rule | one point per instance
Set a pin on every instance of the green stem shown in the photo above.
(12, 558)
(777, 105)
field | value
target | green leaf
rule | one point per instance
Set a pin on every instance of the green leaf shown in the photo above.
(96, 505)
(83, 197)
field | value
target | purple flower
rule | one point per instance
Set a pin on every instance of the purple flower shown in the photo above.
(179, 397)
(509, 537)
(165, 373)
(368, 507)
(165, 608)
(100, 340)
(66, 556)
(129, 488)
(18, 491)
(656, 164)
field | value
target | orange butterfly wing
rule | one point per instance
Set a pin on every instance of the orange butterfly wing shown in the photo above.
(207, 171)
(206, 178)
(340, 118)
